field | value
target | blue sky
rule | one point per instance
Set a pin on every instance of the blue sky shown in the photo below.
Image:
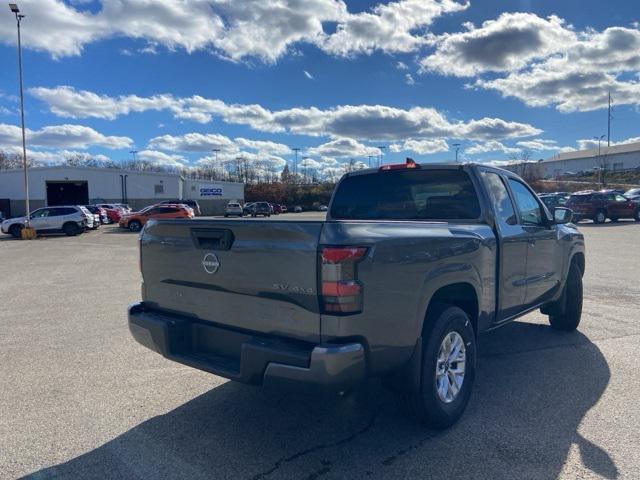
(175, 79)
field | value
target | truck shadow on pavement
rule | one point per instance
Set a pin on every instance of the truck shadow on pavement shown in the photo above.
(533, 388)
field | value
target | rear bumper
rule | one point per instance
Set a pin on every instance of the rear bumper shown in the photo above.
(247, 357)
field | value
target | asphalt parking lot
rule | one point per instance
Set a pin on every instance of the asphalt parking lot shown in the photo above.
(80, 399)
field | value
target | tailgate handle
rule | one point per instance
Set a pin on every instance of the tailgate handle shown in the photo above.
(212, 239)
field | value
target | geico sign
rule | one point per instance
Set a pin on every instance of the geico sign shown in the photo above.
(211, 191)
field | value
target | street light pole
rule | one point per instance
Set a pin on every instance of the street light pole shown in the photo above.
(19, 17)
(457, 145)
(381, 148)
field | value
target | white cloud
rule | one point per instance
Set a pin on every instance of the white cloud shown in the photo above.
(423, 147)
(308, 75)
(263, 29)
(361, 122)
(192, 142)
(409, 80)
(504, 44)
(578, 76)
(343, 147)
(388, 27)
(490, 146)
(402, 66)
(589, 144)
(538, 144)
(161, 158)
(62, 136)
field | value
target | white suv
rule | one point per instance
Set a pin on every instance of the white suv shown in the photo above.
(233, 208)
(71, 220)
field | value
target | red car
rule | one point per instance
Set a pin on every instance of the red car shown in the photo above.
(602, 205)
(114, 212)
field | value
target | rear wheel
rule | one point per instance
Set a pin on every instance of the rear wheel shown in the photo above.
(135, 225)
(71, 229)
(448, 369)
(16, 230)
(600, 217)
(636, 217)
(566, 314)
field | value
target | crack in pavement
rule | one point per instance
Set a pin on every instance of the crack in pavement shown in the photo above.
(318, 447)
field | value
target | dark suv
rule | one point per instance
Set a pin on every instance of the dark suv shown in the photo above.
(602, 205)
(260, 208)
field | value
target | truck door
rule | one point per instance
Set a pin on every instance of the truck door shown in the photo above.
(513, 241)
(543, 263)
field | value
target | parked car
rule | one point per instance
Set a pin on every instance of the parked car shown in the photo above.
(271, 210)
(297, 209)
(260, 208)
(114, 212)
(633, 194)
(283, 208)
(411, 266)
(322, 208)
(246, 209)
(191, 203)
(277, 209)
(124, 207)
(68, 219)
(101, 212)
(552, 200)
(233, 208)
(599, 206)
(93, 220)
(136, 220)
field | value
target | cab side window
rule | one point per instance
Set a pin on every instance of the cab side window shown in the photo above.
(528, 206)
(500, 196)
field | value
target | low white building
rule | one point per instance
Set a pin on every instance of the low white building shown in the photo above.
(614, 158)
(64, 185)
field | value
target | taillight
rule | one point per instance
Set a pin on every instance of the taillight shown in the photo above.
(341, 289)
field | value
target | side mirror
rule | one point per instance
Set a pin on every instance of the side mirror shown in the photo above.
(562, 215)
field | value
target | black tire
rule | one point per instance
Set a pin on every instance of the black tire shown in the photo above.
(254, 215)
(427, 406)
(135, 226)
(70, 229)
(566, 314)
(636, 217)
(16, 230)
(600, 217)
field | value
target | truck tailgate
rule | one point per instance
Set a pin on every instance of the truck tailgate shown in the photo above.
(248, 274)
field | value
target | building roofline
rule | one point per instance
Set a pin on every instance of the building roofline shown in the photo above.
(593, 152)
(94, 169)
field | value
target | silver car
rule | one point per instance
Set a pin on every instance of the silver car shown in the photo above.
(233, 208)
(68, 219)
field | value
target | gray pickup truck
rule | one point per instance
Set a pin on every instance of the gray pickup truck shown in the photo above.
(412, 263)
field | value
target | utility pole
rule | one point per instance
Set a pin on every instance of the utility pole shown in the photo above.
(457, 146)
(15, 10)
(133, 154)
(599, 139)
(381, 148)
(295, 164)
(609, 122)
(369, 157)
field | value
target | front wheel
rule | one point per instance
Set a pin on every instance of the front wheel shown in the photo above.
(566, 314)
(448, 368)
(135, 226)
(600, 217)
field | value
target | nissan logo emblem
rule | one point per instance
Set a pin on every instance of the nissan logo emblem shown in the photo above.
(210, 263)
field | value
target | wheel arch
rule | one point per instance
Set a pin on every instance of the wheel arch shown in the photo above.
(460, 294)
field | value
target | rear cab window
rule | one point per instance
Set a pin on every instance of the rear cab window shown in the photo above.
(425, 194)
